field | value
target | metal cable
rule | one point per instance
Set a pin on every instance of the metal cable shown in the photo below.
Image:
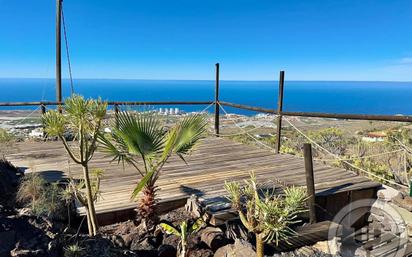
(67, 51)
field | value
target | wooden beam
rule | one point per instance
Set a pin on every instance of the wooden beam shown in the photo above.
(310, 181)
(280, 108)
(217, 108)
(343, 116)
(113, 103)
(58, 52)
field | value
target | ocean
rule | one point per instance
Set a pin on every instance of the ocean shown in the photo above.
(310, 96)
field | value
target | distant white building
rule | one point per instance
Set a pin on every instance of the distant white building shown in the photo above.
(374, 137)
(36, 133)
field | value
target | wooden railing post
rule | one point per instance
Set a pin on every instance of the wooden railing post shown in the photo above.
(43, 108)
(43, 111)
(217, 108)
(116, 112)
(58, 54)
(280, 108)
(310, 181)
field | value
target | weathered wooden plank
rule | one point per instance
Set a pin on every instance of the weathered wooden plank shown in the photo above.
(215, 161)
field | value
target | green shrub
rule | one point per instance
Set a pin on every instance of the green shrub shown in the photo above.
(6, 137)
(31, 189)
(183, 231)
(268, 215)
(43, 198)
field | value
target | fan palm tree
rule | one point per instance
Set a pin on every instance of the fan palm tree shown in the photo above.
(143, 142)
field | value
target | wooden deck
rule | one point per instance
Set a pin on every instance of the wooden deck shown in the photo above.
(214, 161)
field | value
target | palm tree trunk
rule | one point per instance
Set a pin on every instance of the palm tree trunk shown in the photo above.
(91, 212)
(89, 223)
(147, 205)
(259, 246)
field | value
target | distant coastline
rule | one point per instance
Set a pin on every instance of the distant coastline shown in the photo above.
(359, 97)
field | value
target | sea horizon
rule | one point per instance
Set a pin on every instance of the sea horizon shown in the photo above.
(234, 80)
(357, 97)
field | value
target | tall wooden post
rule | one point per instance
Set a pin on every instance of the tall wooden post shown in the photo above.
(116, 113)
(43, 111)
(280, 108)
(310, 181)
(217, 108)
(58, 52)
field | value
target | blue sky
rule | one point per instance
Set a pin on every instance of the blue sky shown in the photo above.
(182, 39)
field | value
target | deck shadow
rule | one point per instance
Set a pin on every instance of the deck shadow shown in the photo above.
(52, 175)
(335, 189)
(191, 191)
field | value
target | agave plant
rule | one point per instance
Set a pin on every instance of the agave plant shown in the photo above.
(83, 118)
(266, 214)
(142, 141)
(184, 231)
(73, 250)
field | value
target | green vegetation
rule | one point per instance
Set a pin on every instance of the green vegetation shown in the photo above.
(142, 137)
(44, 199)
(5, 137)
(83, 118)
(184, 231)
(75, 189)
(267, 215)
(73, 250)
(396, 167)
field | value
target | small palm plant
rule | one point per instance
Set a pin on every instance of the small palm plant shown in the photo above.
(73, 250)
(84, 119)
(142, 137)
(267, 215)
(184, 231)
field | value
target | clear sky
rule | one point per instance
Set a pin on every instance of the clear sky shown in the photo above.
(182, 39)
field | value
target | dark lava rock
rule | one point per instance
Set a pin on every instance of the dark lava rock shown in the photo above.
(201, 253)
(171, 240)
(28, 236)
(9, 179)
(148, 244)
(213, 237)
(7, 242)
(166, 251)
(240, 248)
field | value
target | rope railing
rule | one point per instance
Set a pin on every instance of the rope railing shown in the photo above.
(246, 132)
(26, 117)
(342, 160)
(317, 145)
(363, 157)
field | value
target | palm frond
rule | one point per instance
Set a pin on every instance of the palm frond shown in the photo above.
(188, 132)
(143, 182)
(141, 134)
(114, 147)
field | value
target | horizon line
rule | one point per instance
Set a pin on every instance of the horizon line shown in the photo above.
(229, 80)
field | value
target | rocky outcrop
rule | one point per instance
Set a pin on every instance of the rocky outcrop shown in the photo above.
(9, 179)
(213, 237)
(240, 248)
